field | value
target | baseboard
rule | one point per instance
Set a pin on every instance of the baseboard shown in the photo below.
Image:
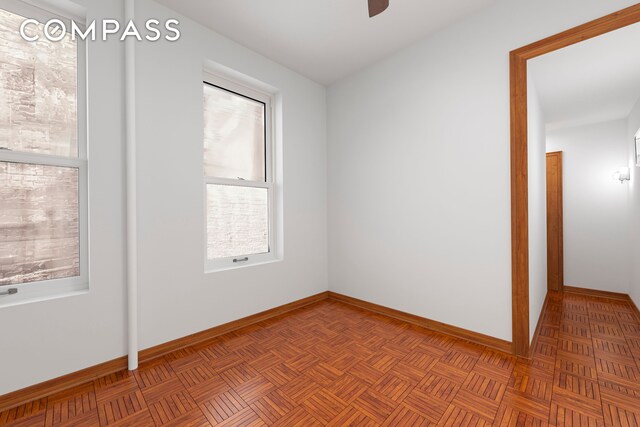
(62, 383)
(596, 293)
(536, 334)
(38, 391)
(475, 337)
(74, 379)
(171, 346)
(604, 294)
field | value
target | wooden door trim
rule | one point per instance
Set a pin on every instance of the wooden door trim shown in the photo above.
(519, 171)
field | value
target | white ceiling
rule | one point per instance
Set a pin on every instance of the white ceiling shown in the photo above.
(593, 81)
(324, 40)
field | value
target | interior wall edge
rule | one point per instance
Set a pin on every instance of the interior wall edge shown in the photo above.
(536, 333)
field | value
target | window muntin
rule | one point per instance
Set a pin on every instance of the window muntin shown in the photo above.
(43, 166)
(239, 196)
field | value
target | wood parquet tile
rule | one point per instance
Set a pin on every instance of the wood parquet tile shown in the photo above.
(336, 365)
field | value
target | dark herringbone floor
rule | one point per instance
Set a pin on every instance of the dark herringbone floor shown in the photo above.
(332, 364)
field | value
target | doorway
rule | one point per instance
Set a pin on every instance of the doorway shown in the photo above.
(555, 234)
(519, 159)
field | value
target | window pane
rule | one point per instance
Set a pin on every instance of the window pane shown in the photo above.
(234, 136)
(237, 221)
(37, 91)
(39, 230)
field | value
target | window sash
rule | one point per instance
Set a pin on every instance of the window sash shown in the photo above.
(218, 264)
(221, 264)
(52, 288)
(265, 106)
(256, 95)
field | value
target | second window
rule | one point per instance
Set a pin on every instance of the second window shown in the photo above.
(238, 175)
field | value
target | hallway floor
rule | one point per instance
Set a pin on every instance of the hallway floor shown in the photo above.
(333, 364)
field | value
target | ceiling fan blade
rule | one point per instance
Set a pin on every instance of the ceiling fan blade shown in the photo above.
(377, 6)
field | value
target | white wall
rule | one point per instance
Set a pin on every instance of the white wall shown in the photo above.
(47, 339)
(596, 209)
(419, 193)
(537, 206)
(633, 125)
(176, 297)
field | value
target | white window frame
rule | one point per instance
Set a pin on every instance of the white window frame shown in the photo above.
(53, 288)
(636, 147)
(245, 260)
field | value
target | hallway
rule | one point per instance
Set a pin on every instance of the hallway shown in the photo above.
(584, 369)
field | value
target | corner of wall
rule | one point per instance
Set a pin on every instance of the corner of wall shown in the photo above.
(537, 208)
(634, 202)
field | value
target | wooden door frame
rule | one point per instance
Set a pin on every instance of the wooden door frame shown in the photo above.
(519, 159)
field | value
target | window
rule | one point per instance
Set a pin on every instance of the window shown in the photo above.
(238, 175)
(43, 166)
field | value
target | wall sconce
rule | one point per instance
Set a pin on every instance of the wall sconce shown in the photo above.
(623, 174)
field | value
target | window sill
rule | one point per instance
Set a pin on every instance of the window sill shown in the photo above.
(36, 297)
(217, 269)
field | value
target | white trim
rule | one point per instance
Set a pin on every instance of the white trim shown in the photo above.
(48, 289)
(236, 86)
(254, 260)
(40, 159)
(237, 182)
(43, 291)
(82, 111)
(274, 254)
(42, 12)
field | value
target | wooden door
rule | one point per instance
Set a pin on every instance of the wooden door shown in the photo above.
(555, 259)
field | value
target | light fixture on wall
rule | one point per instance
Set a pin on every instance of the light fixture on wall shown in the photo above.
(623, 174)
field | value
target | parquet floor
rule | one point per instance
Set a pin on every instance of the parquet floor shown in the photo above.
(332, 364)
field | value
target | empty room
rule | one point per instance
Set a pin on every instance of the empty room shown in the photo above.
(319, 213)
